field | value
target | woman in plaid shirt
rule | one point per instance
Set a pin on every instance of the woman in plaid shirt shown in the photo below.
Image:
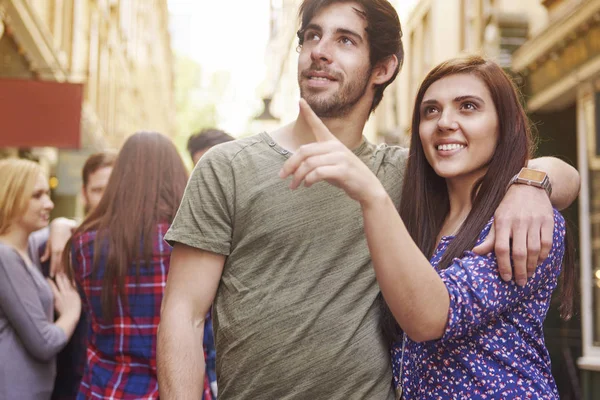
(120, 262)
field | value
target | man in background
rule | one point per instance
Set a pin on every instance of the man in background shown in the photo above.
(199, 143)
(95, 174)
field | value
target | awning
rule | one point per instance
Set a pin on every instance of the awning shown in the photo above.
(40, 114)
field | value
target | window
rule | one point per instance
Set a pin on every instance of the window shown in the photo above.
(588, 132)
(427, 45)
(469, 25)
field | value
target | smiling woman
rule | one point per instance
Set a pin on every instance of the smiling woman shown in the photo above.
(27, 335)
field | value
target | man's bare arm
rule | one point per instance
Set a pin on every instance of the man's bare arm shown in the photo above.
(525, 216)
(564, 178)
(193, 280)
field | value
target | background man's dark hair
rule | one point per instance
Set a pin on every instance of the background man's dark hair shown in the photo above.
(383, 32)
(206, 139)
(97, 161)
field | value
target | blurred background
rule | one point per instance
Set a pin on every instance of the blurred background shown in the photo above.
(79, 76)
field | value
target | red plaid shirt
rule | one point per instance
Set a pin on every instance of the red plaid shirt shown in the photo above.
(121, 353)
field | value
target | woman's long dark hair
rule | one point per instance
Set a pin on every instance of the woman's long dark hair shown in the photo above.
(145, 188)
(425, 203)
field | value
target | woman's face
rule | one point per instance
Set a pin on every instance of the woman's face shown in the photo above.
(459, 127)
(37, 212)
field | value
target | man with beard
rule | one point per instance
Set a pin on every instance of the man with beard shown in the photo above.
(296, 304)
(95, 174)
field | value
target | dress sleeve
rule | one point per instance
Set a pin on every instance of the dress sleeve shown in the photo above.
(478, 294)
(20, 301)
(205, 216)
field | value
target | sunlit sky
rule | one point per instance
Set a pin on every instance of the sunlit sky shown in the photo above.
(231, 35)
(226, 35)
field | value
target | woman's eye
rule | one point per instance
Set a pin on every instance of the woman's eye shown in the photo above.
(429, 110)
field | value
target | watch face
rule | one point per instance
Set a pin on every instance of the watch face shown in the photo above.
(532, 175)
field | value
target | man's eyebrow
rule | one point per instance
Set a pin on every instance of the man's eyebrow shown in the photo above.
(350, 32)
(313, 27)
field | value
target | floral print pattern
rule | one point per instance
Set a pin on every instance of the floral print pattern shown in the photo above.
(493, 346)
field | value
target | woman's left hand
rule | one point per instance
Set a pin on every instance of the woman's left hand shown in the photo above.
(330, 160)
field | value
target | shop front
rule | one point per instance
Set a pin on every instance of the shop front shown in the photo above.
(561, 67)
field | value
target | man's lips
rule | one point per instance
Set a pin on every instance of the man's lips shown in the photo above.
(319, 75)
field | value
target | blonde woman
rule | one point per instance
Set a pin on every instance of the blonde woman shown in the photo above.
(29, 340)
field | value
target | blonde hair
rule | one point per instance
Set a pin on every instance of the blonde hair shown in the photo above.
(16, 187)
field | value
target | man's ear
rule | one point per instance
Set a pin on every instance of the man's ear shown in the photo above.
(384, 70)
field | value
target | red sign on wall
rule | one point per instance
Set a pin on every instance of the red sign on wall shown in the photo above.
(40, 113)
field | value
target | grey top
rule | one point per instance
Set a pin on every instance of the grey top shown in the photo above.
(297, 313)
(29, 340)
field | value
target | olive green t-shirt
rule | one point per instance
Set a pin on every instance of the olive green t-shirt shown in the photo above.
(296, 315)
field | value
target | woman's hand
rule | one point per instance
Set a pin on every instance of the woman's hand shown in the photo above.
(66, 297)
(330, 160)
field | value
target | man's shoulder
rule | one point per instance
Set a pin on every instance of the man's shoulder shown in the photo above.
(397, 155)
(228, 151)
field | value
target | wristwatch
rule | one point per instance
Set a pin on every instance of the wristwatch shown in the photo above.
(533, 177)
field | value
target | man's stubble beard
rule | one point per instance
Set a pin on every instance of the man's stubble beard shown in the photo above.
(341, 102)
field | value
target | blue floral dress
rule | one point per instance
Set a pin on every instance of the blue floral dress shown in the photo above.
(493, 346)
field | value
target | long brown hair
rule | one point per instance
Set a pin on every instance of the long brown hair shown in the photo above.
(145, 188)
(425, 203)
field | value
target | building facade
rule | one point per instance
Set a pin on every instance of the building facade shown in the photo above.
(119, 50)
(436, 30)
(561, 67)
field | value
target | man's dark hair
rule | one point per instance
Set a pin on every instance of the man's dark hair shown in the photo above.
(383, 32)
(97, 161)
(206, 139)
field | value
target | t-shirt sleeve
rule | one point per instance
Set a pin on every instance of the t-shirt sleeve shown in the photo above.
(205, 215)
(478, 294)
(402, 158)
(20, 301)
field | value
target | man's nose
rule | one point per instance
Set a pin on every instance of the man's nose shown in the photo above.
(321, 52)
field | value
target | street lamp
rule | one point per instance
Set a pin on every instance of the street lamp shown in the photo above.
(266, 114)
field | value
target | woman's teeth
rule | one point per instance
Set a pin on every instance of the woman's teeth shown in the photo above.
(453, 146)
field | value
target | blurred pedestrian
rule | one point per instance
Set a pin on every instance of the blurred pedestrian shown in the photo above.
(95, 174)
(50, 243)
(199, 143)
(120, 262)
(29, 337)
